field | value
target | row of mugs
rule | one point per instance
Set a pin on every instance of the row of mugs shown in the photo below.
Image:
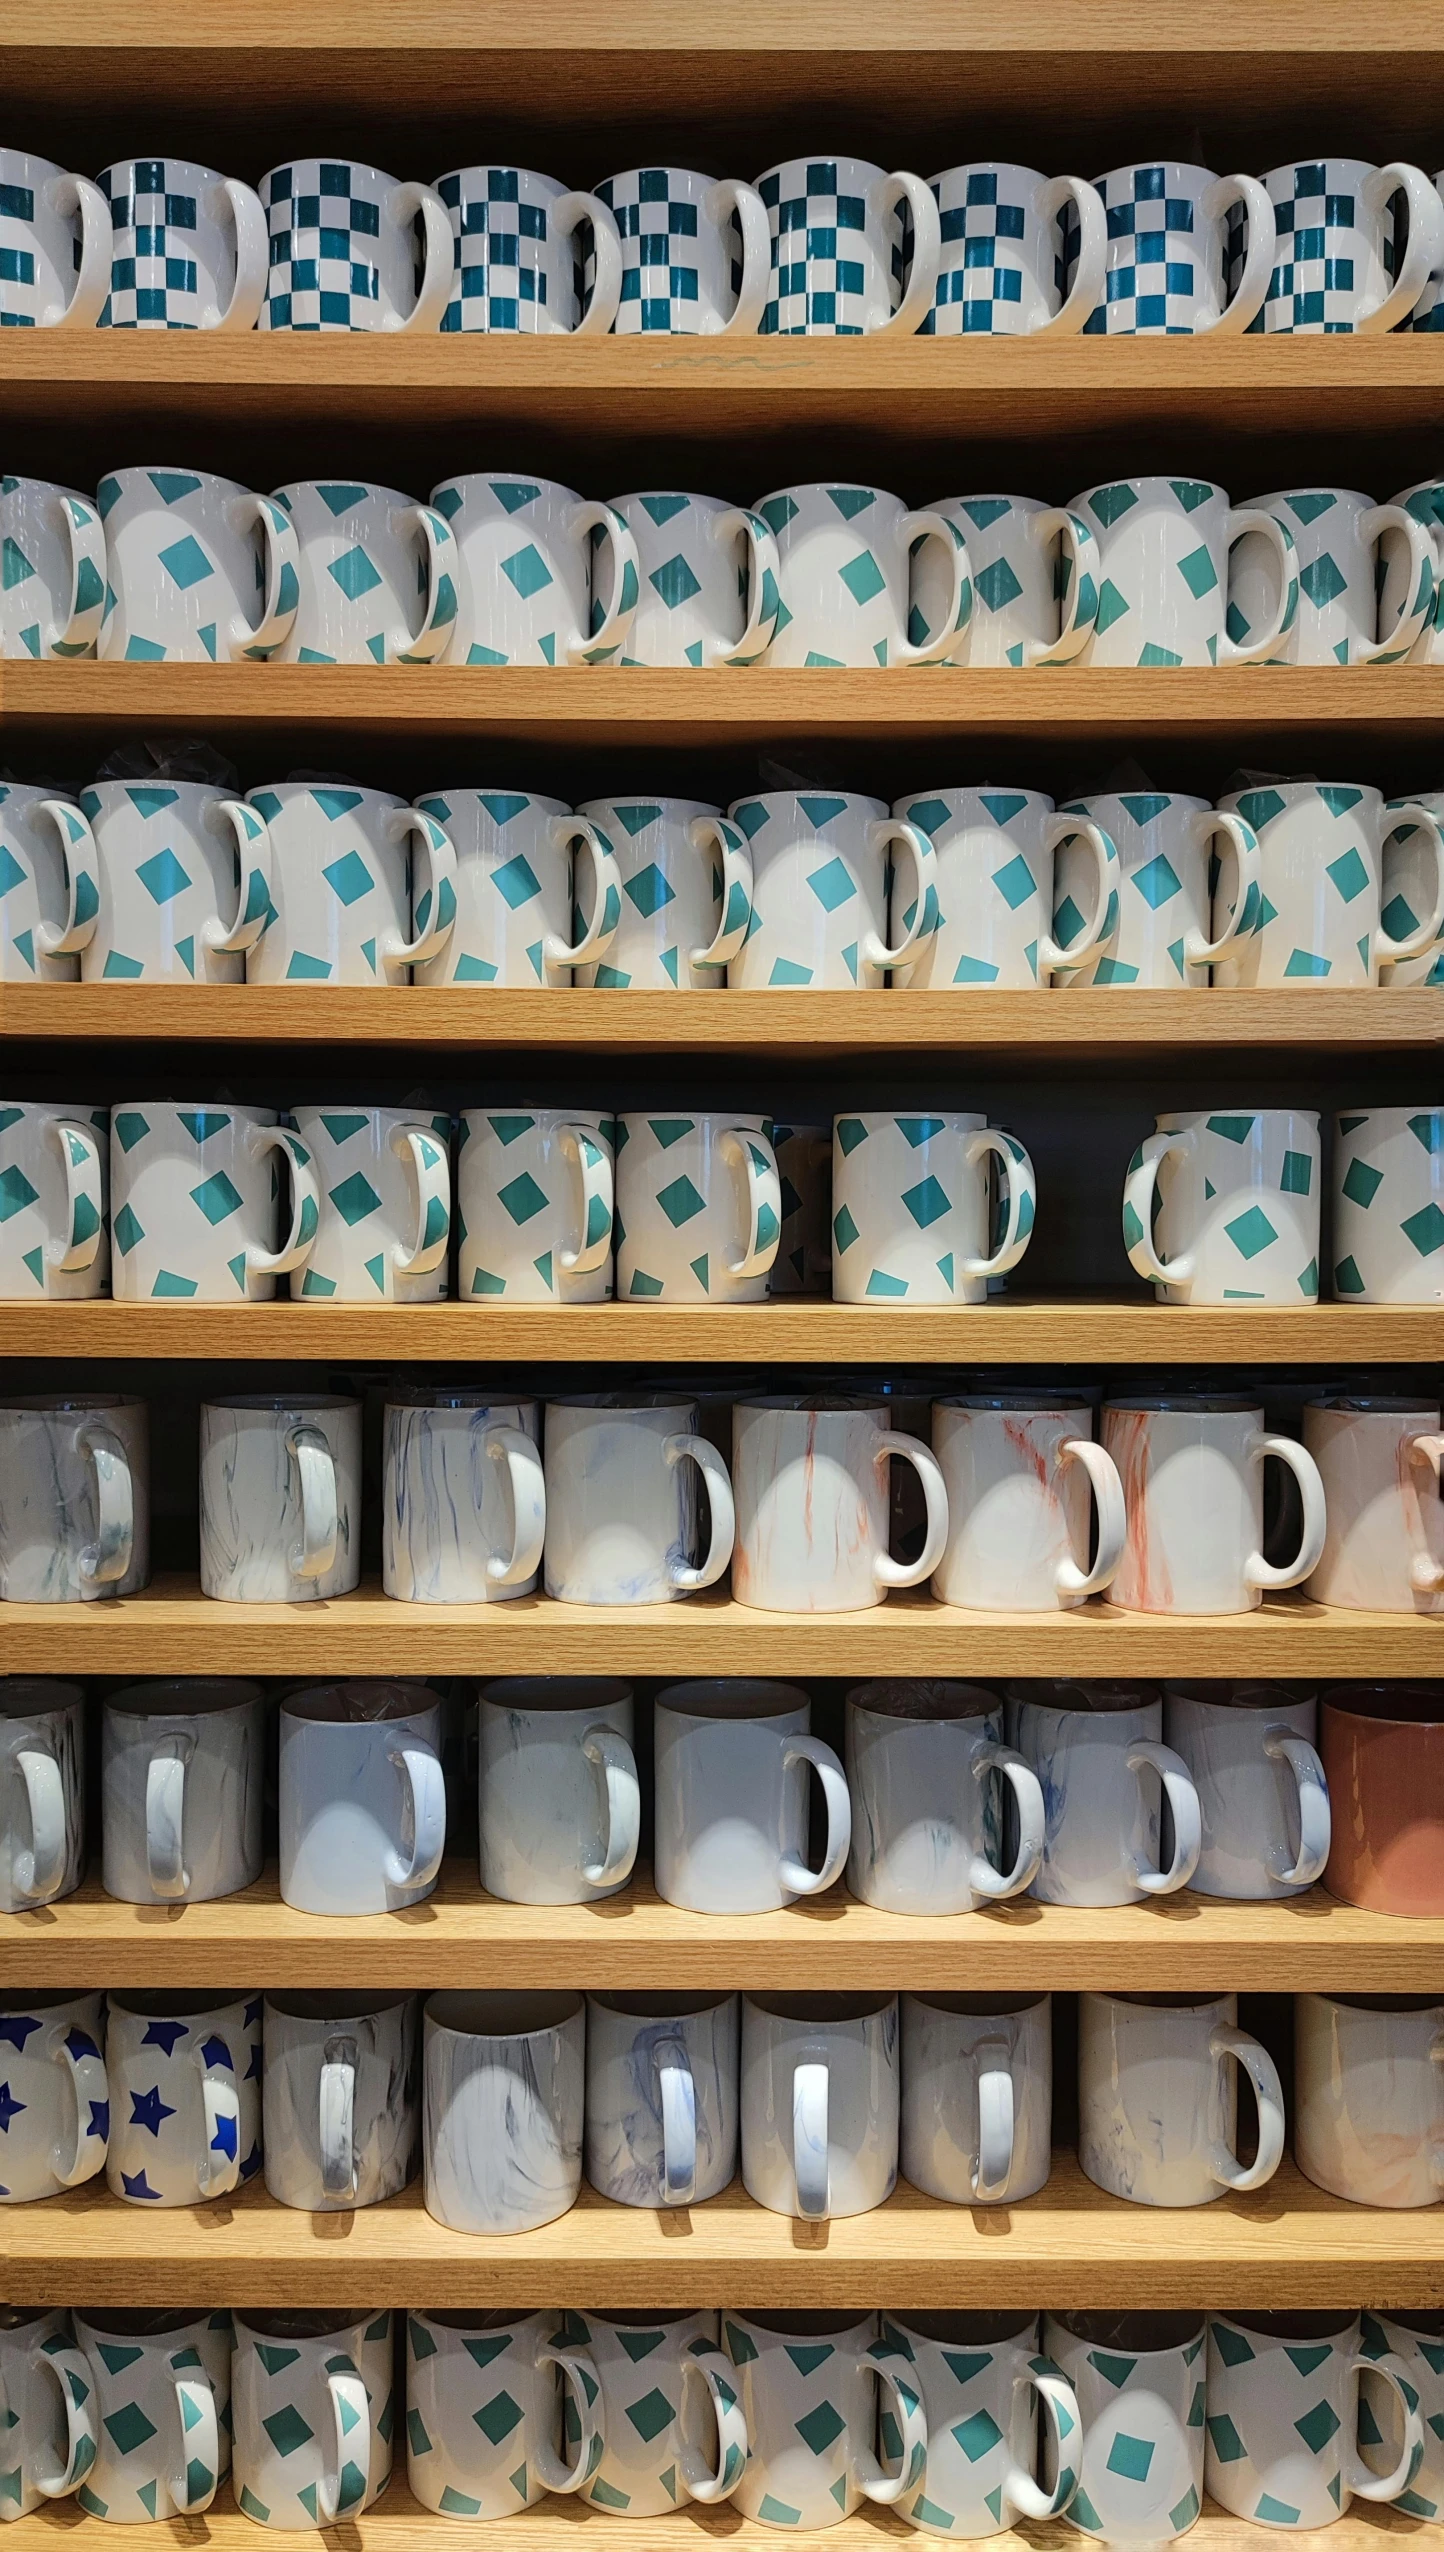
(504, 2097)
(157, 1201)
(1297, 883)
(817, 247)
(962, 2423)
(948, 1797)
(176, 565)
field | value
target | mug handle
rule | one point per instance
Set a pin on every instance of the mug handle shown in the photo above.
(78, 2051)
(305, 1202)
(431, 1160)
(609, 1752)
(434, 915)
(917, 301)
(1257, 1571)
(253, 258)
(82, 879)
(512, 1450)
(1065, 2419)
(1074, 1581)
(610, 634)
(729, 196)
(97, 246)
(196, 2479)
(558, 958)
(1262, 2072)
(165, 1802)
(577, 2368)
(1258, 265)
(958, 610)
(909, 1448)
(1255, 518)
(809, 2140)
(1426, 1574)
(996, 2122)
(253, 897)
(699, 2478)
(1247, 906)
(438, 624)
(109, 1556)
(1423, 253)
(315, 1556)
(752, 1157)
(1182, 1797)
(568, 213)
(597, 1202)
(1357, 2477)
(37, 1873)
(1085, 583)
(721, 1510)
(221, 2108)
(1413, 621)
(84, 1197)
(1315, 1820)
(337, 2494)
(1053, 960)
(282, 580)
(718, 832)
(1138, 1193)
(910, 2423)
(795, 1876)
(983, 1879)
(438, 257)
(678, 2092)
(1089, 270)
(77, 2394)
(875, 955)
(86, 540)
(1022, 1191)
(1430, 934)
(421, 1771)
(336, 2118)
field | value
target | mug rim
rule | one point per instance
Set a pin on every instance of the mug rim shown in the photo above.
(198, 1697)
(634, 2006)
(1072, 2325)
(338, 2008)
(1381, 1404)
(67, 1696)
(821, 2011)
(535, 1692)
(409, 1700)
(750, 1692)
(990, 1702)
(980, 2006)
(1354, 1700)
(159, 2005)
(280, 1404)
(554, 2005)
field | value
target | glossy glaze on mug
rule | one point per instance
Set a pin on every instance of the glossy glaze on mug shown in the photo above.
(196, 1205)
(558, 1787)
(815, 2389)
(983, 2381)
(1388, 1228)
(1169, 848)
(1158, 2098)
(160, 2387)
(1321, 873)
(53, 595)
(662, 2088)
(1139, 2380)
(708, 580)
(627, 1513)
(912, 1207)
(1102, 1812)
(1285, 2418)
(1164, 546)
(503, 2090)
(1383, 1752)
(535, 1204)
(1020, 1505)
(1192, 1473)
(42, 1790)
(1222, 1205)
(183, 1777)
(359, 2057)
(52, 2069)
(349, 1802)
(50, 2419)
(669, 2422)
(533, 565)
(977, 2071)
(273, 1473)
(74, 1498)
(820, 891)
(1417, 2340)
(330, 2374)
(849, 2137)
(185, 2090)
(484, 2416)
(1379, 1460)
(1251, 1751)
(1369, 2096)
(812, 1495)
(463, 1500)
(699, 1207)
(47, 912)
(385, 1204)
(927, 1770)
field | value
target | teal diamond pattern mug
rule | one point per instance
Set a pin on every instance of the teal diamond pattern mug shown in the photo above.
(669, 2415)
(497, 2412)
(1344, 615)
(1322, 916)
(1164, 548)
(834, 2417)
(707, 581)
(535, 1205)
(370, 563)
(343, 900)
(161, 2387)
(383, 1180)
(996, 850)
(675, 903)
(1287, 2417)
(195, 1198)
(983, 2381)
(183, 874)
(42, 2458)
(699, 1208)
(1139, 2383)
(516, 890)
(52, 570)
(529, 586)
(49, 895)
(1409, 884)
(1223, 1206)
(1388, 1233)
(845, 559)
(313, 2415)
(54, 1202)
(1035, 579)
(198, 570)
(1417, 2340)
(1172, 853)
(910, 1200)
(823, 881)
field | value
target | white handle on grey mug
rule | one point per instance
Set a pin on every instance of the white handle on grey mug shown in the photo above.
(720, 1508)
(1107, 1488)
(989, 1756)
(809, 2139)
(1426, 242)
(165, 1802)
(890, 1441)
(1022, 1195)
(1262, 2072)
(1422, 941)
(996, 2120)
(1244, 918)
(607, 1749)
(36, 1874)
(351, 2421)
(597, 1203)
(336, 2118)
(1146, 1754)
(795, 1876)
(515, 1452)
(421, 1771)
(1357, 2476)
(218, 2170)
(91, 2086)
(876, 955)
(109, 1555)
(1315, 1818)
(679, 2121)
(1053, 959)
(560, 955)
(1090, 264)
(1256, 1570)
(731, 197)
(1251, 291)
(1426, 1574)
(917, 301)
(315, 1554)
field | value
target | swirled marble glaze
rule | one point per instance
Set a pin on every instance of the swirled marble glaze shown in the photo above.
(42, 2459)
(670, 2423)
(1379, 1460)
(1022, 1481)
(819, 2101)
(1192, 1473)
(1100, 1760)
(460, 1495)
(625, 1503)
(54, 2093)
(662, 2097)
(484, 2415)
(731, 1797)
(185, 2088)
(74, 1498)
(160, 2398)
(1369, 2099)
(304, 2385)
(811, 1486)
(275, 1476)
(1158, 2099)
(812, 2386)
(341, 2099)
(982, 2386)
(42, 1790)
(977, 2099)
(1263, 1800)
(560, 1804)
(926, 1797)
(1139, 2383)
(362, 1800)
(183, 1775)
(503, 2092)
(1285, 2416)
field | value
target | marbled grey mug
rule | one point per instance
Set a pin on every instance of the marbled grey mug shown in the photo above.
(342, 2098)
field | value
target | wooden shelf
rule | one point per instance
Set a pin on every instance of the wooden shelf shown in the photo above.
(254, 1943)
(1070, 2247)
(804, 1026)
(172, 1629)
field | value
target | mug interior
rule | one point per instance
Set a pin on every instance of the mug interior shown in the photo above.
(659, 2007)
(1407, 1705)
(297, 2325)
(187, 2007)
(745, 1697)
(1098, 1699)
(32, 1696)
(501, 2015)
(194, 1696)
(805, 2325)
(281, 1404)
(476, 2321)
(556, 1692)
(123, 2325)
(926, 1698)
(335, 2007)
(1384, 2002)
(980, 2006)
(1286, 2326)
(1141, 2334)
(822, 2008)
(978, 2330)
(347, 1704)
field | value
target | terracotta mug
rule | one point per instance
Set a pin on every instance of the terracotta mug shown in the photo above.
(1383, 1753)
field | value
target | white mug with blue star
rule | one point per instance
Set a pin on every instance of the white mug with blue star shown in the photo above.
(1179, 861)
(517, 891)
(1289, 2407)
(1345, 545)
(983, 2381)
(383, 1182)
(497, 2412)
(995, 850)
(52, 587)
(707, 577)
(159, 2392)
(529, 588)
(910, 1196)
(699, 1208)
(1222, 1205)
(198, 570)
(344, 899)
(535, 1199)
(183, 1772)
(824, 876)
(183, 871)
(54, 1202)
(845, 574)
(54, 244)
(48, 891)
(189, 247)
(343, 250)
(518, 260)
(1388, 1227)
(685, 905)
(1165, 547)
(370, 562)
(54, 2094)
(1035, 579)
(1344, 265)
(185, 2085)
(45, 2456)
(1003, 262)
(314, 2413)
(1138, 2379)
(696, 253)
(1323, 919)
(196, 1202)
(838, 249)
(1169, 249)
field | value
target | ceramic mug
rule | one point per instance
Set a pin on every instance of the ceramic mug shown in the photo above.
(845, 578)
(662, 2097)
(996, 852)
(54, 245)
(707, 589)
(696, 253)
(654, 2429)
(560, 1803)
(820, 2392)
(49, 901)
(1222, 1206)
(280, 1504)
(362, 1800)
(515, 883)
(369, 563)
(313, 2413)
(1286, 2418)
(820, 2102)
(624, 1513)
(837, 242)
(42, 1790)
(526, 572)
(182, 872)
(1320, 873)
(1099, 1756)
(1369, 2096)
(810, 1479)
(183, 1778)
(384, 1182)
(535, 1199)
(1382, 1747)
(188, 247)
(1001, 263)
(1170, 850)
(74, 1498)
(53, 2072)
(343, 250)
(983, 2382)
(1341, 265)
(1158, 2098)
(195, 1202)
(1388, 1228)
(54, 1202)
(1262, 1797)
(484, 2415)
(926, 1775)
(341, 2098)
(186, 557)
(1192, 1473)
(1379, 1460)
(911, 1207)
(1417, 2340)
(1164, 549)
(158, 2391)
(1025, 1481)
(503, 2091)
(731, 1760)
(190, 2073)
(344, 902)
(699, 1208)
(684, 877)
(1138, 2379)
(1342, 616)
(518, 264)
(1034, 573)
(803, 1264)
(49, 2408)
(463, 1499)
(1169, 270)
(820, 892)
(977, 2100)
(1398, 577)
(52, 597)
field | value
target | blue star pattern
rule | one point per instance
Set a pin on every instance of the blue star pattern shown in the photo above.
(10, 2108)
(253, 2069)
(78, 2043)
(252, 2162)
(215, 2051)
(15, 2028)
(136, 2185)
(99, 2120)
(147, 2109)
(166, 2034)
(224, 2140)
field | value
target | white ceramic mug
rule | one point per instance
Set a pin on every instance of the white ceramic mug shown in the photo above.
(1169, 272)
(185, 2084)
(820, 892)
(503, 2091)
(1173, 855)
(983, 2382)
(1222, 1205)
(1342, 264)
(463, 1512)
(1158, 2098)
(699, 1208)
(560, 1803)
(996, 852)
(343, 249)
(1192, 1471)
(341, 2098)
(52, 598)
(911, 1203)
(838, 247)
(535, 1200)
(158, 2392)
(1139, 2383)
(518, 256)
(731, 1760)
(195, 1213)
(186, 557)
(662, 2097)
(683, 876)
(1343, 541)
(183, 1770)
(1417, 2340)
(74, 1498)
(376, 575)
(821, 2392)
(516, 885)
(42, 1790)
(48, 907)
(1002, 263)
(1321, 871)
(362, 1800)
(810, 1479)
(1286, 2418)
(1099, 1756)
(662, 2439)
(1379, 1459)
(1263, 1799)
(845, 578)
(927, 1771)
(696, 253)
(383, 1180)
(1025, 1481)
(183, 875)
(1369, 2096)
(53, 2072)
(55, 231)
(626, 1481)
(344, 902)
(188, 247)
(528, 589)
(1034, 572)
(54, 1202)
(1388, 1229)
(49, 2407)
(977, 2097)
(329, 2375)
(1164, 547)
(707, 580)
(819, 2102)
(280, 1498)
(484, 2416)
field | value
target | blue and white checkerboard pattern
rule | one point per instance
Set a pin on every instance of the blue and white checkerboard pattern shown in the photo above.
(981, 262)
(324, 270)
(660, 272)
(153, 264)
(1312, 287)
(500, 228)
(818, 272)
(1153, 279)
